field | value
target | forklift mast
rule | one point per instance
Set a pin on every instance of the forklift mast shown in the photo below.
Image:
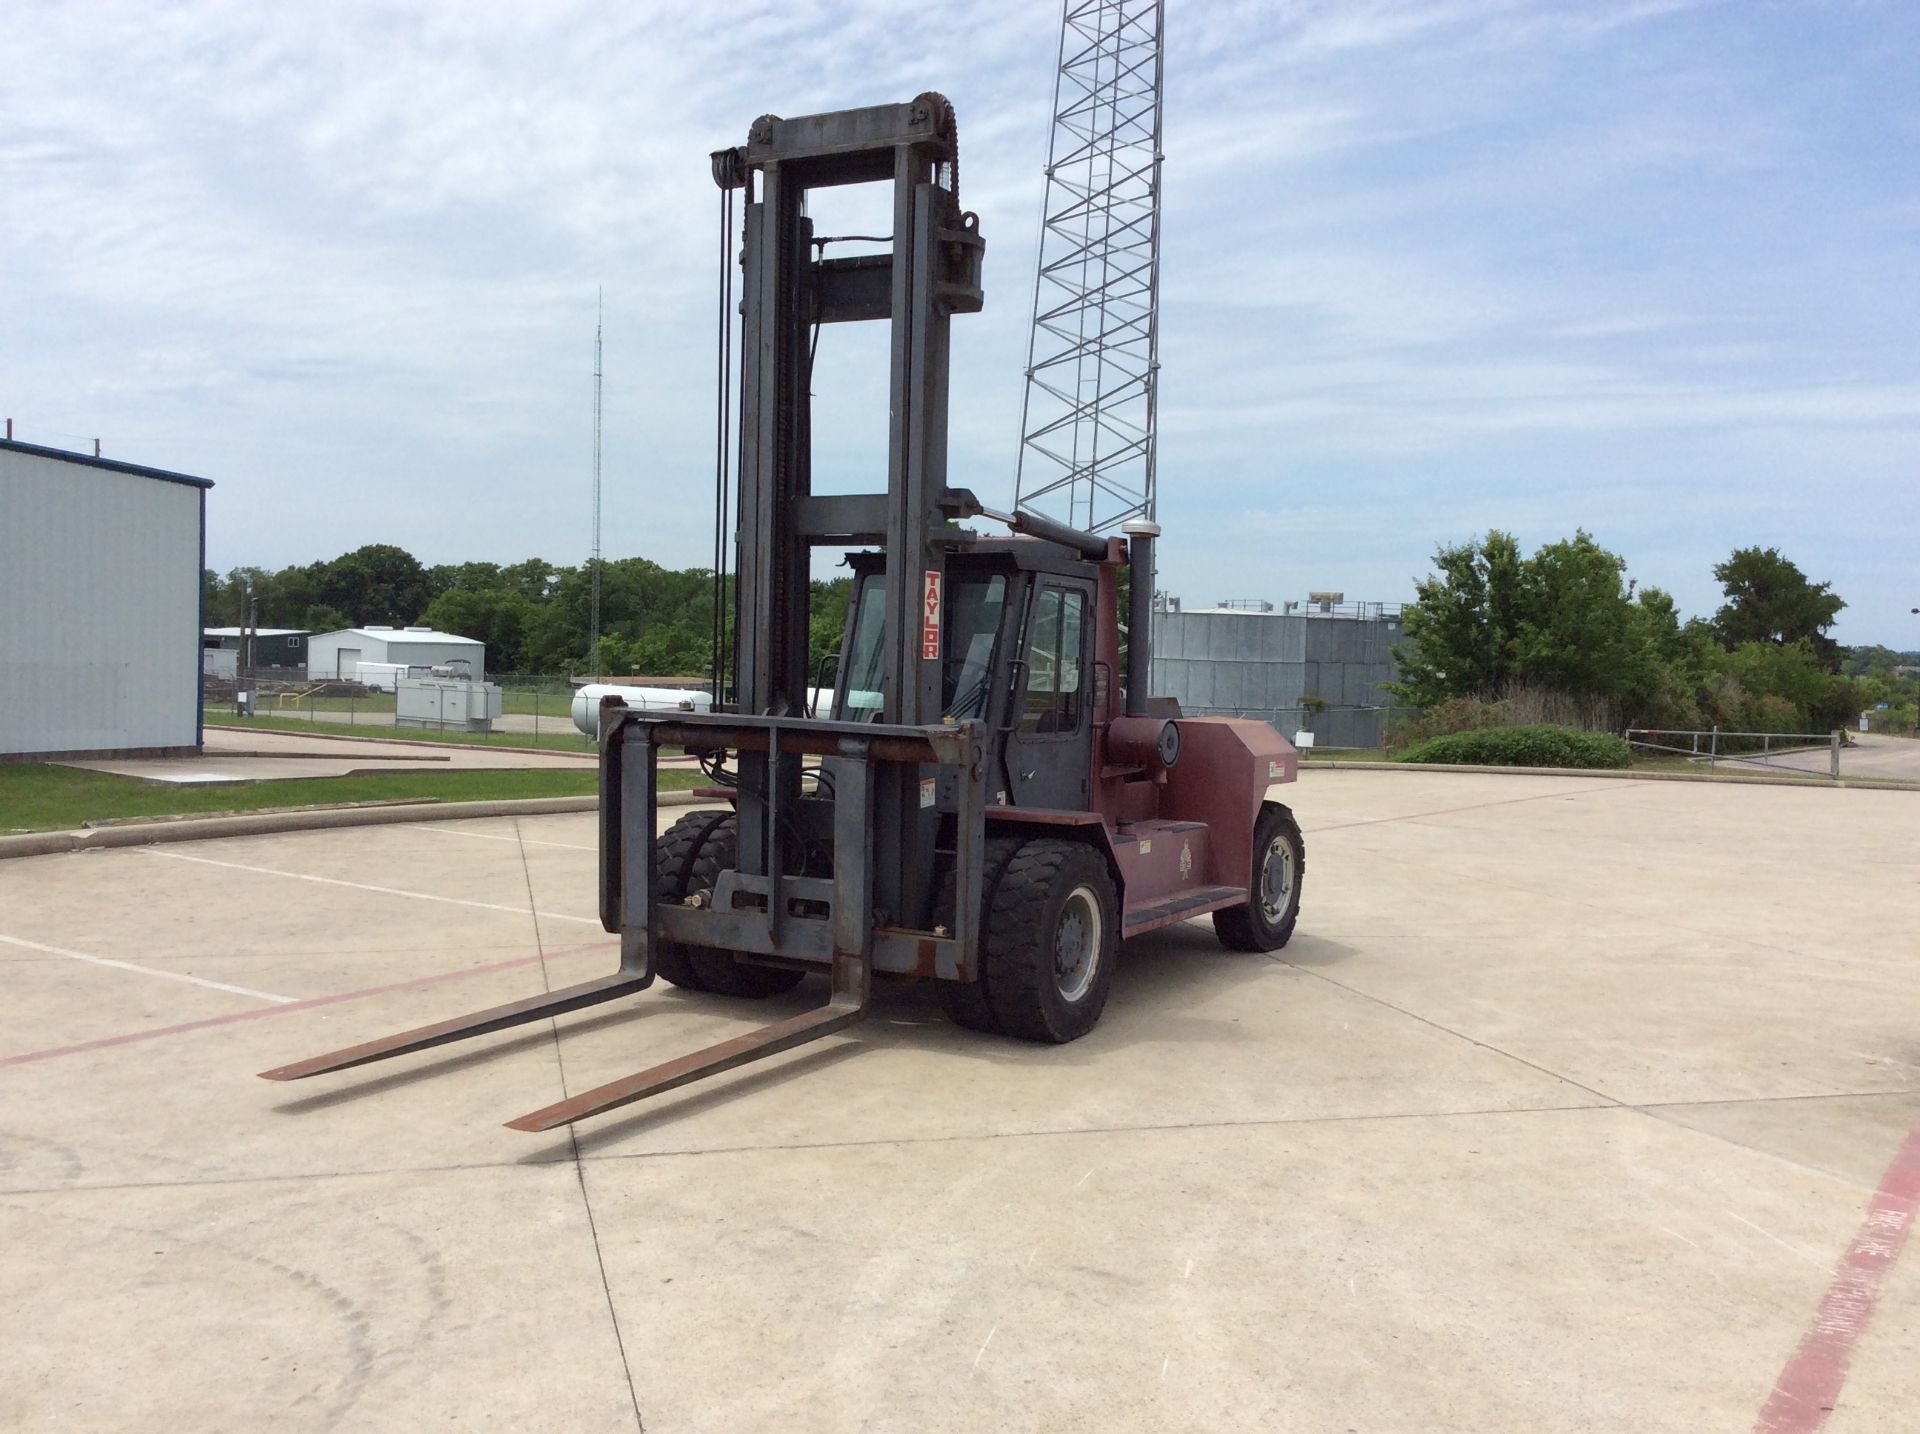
(932, 273)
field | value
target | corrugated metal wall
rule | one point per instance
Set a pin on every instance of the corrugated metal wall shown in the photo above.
(99, 608)
(323, 652)
(1263, 665)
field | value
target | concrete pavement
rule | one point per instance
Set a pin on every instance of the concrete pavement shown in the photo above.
(1566, 1109)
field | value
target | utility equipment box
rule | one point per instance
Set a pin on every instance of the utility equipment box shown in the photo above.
(445, 704)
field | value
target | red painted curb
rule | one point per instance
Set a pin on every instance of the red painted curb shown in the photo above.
(1809, 1387)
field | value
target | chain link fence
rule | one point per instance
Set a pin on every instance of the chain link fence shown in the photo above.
(1349, 728)
(535, 712)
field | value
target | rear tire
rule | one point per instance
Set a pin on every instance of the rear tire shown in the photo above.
(689, 858)
(1265, 922)
(965, 1002)
(1051, 936)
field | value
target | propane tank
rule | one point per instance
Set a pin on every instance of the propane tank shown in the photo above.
(586, 702)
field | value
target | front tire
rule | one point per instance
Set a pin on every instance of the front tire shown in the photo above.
(1051, 937)
(1265, 922)
(965, 1002)
(688, 858)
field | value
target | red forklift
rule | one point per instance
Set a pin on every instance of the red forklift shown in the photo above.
(990, 801)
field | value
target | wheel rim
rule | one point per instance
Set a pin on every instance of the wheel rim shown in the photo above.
(1276, 879)
(1076, 943)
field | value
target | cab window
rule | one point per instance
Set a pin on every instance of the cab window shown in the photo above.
(1055, 694)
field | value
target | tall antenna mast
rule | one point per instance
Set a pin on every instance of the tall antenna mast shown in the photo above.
(1087, 451)
(593, 617)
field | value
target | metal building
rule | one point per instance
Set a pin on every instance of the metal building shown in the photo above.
(1320, 669)
(273, 647)
(100, 605)
(339, 654)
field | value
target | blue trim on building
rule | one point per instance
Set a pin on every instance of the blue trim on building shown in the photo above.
(113, 465)
(199, 639)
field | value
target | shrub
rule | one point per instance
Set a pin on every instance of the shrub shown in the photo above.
(1534, 746)
(1456, 714)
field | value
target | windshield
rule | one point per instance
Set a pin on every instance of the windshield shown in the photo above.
(860, 698)
(970, 623)
(973, 622)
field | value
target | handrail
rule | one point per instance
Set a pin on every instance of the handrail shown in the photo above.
(1725, 732)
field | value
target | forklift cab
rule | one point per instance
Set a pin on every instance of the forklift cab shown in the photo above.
(1017, 654)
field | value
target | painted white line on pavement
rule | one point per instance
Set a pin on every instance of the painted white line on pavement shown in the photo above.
(149, 971)
(495, 836)
(368, 886)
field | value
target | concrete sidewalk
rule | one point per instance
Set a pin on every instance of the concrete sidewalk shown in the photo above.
(255, 756)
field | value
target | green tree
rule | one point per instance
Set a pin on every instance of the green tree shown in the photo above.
(533, 579)
(1579, 630)
(464, 577)
(1567, 622)
(376, 584)
(1461, 627)
(1870, 660)
(1795, 676)
(289, 594)
(320, 618)
(1770, 600)
(496, 616)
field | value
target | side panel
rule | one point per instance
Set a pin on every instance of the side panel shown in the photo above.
(1225, 767)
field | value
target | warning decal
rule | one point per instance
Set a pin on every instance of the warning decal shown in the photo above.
(930, 618)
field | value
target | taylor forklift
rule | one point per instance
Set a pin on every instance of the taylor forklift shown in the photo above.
(991, 801)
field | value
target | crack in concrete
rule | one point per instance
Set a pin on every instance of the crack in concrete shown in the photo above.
(579, 1170)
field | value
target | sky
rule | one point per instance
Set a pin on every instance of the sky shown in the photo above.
(1645, 267)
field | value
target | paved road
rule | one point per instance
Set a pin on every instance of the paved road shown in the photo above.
(1871, 755)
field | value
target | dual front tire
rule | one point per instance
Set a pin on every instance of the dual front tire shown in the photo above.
(687, 861)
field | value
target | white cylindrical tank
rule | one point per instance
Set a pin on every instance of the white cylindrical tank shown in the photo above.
(586, 702)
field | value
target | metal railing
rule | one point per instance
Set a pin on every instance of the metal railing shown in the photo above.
(1715, 745)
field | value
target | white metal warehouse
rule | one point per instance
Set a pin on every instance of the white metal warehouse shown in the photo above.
(339, 654)
(100, 597)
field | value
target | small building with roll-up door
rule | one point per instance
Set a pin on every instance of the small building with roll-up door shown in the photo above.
(100, 605)
(339, 655)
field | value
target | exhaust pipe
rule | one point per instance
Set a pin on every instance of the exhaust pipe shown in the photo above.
(1140, 535)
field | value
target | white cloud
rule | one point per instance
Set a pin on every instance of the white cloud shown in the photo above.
(343, 258)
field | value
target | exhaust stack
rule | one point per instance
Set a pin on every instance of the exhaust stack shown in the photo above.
(1140, 535)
